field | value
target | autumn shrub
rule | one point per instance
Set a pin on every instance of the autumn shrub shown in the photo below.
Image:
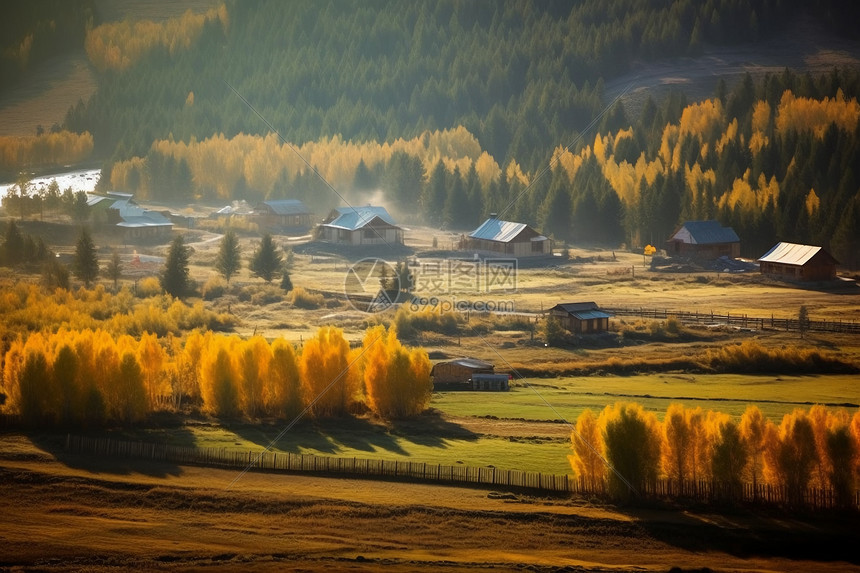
(410, 324)
(268, 294)
(213, 288)
(148, 287)
(751, 357)
(301, 298)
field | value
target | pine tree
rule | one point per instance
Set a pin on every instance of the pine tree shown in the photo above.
(174, 279)
(229, 259)
(86, 263)
(266, 262)
(114, 269)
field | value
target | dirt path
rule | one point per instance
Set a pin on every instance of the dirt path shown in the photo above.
(805, 46)
(97, 516)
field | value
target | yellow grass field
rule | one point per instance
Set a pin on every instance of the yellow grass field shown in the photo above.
(99, 515)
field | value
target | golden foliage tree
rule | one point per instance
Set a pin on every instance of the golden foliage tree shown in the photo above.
(283, 397)
(632, 438)
(396, 379)
(791, 456)
(586, 443)
(324, 371)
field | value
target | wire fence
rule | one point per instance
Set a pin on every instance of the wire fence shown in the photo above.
(702, 491)
(741, 321)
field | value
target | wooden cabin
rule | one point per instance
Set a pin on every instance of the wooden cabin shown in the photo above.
(581, 317)
(704, 240)
(791, 261)
(496, 237)
(356, 226)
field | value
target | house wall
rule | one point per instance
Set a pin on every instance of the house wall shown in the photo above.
(517, 249)
(811, 271)
(364, 236)
(274, 220)
(576, 326)
(708, 251)
(449, 373)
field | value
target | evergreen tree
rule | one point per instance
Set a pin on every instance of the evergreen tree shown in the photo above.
(556, 210)
(229, 259)
(86, 262)
(174, 279)
(114, 269)
(266, 261)
(435, 192)
(286, 281)
(13, 244)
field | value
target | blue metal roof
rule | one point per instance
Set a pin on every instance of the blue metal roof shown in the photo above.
(287, 207)
(502, 231)
(705, 233)
(353, 218)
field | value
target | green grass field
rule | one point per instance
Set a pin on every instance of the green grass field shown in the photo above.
(566, 398)
(447, 439)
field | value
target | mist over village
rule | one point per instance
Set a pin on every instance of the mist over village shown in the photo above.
(407, 286)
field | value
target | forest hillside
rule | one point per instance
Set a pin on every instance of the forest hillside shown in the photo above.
(528, 108)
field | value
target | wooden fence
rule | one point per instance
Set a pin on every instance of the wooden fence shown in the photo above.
(739, 320)
(541, 483)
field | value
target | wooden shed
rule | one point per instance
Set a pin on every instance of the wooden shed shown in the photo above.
(704, 240)
(282, 214)
(458, 373)
(792, 261)
(581, 317)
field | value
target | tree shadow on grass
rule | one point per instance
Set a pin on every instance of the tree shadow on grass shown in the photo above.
(334, 436)
(431, 429)
(328, 436)
(751, 533)
(99, 462)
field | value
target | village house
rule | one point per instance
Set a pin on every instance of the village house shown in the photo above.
(581, 317)
(506, 239)
(704, 240)
(468, 374)
(119, 210)
(368, 225)
(796, 262)
(282, 214)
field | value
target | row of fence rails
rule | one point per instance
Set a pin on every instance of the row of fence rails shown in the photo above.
(697, 490)
(740, 320)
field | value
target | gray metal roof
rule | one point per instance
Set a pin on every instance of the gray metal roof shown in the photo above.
(473, 363)
(582, 310)
(354, 218)
(502, 231)
(287, 207)
(790, 254)
(133, 215)
(705, 233)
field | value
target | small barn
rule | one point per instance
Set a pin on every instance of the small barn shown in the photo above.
(795, 262)
(458, 373)
(581, 317)
(704, 240)
(282, 214)
(507, 239)
(355, 226)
